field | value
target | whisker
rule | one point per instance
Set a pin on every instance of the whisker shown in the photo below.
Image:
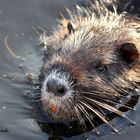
(110, 108)
(109, 101)
(83, 110)
(99, 114)
(36, 100)
(100, 93)
(114, 122)
(79, 119)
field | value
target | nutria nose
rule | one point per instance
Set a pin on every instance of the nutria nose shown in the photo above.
(54, 86)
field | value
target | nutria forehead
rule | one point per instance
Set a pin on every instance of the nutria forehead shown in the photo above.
(96, 36)
(103, 31)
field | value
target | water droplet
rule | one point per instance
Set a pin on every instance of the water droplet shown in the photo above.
(97, 132)
(70, 127)
(20, 66)
(134, 109)
(3, 107)
(23, 59)
(4, 75)
(133, 123)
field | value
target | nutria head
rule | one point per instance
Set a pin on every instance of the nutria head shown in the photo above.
(90, 63)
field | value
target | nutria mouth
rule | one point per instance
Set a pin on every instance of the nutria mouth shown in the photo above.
(91, 64)
(73, 128)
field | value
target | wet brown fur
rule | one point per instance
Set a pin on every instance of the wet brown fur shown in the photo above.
(128, 20)
(104, 29)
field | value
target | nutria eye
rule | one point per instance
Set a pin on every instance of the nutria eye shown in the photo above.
(100, 67)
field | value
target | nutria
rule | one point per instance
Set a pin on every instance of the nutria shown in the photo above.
(91, 62)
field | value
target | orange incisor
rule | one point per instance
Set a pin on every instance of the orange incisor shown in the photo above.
(53, 108)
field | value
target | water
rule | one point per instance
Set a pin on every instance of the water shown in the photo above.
(16, 112)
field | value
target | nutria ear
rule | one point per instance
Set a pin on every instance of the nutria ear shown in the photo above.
(129, 53)
(70, 27)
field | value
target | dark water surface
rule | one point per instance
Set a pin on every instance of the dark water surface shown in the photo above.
(16, 116)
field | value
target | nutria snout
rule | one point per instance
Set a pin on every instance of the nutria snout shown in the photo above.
(55, 86)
